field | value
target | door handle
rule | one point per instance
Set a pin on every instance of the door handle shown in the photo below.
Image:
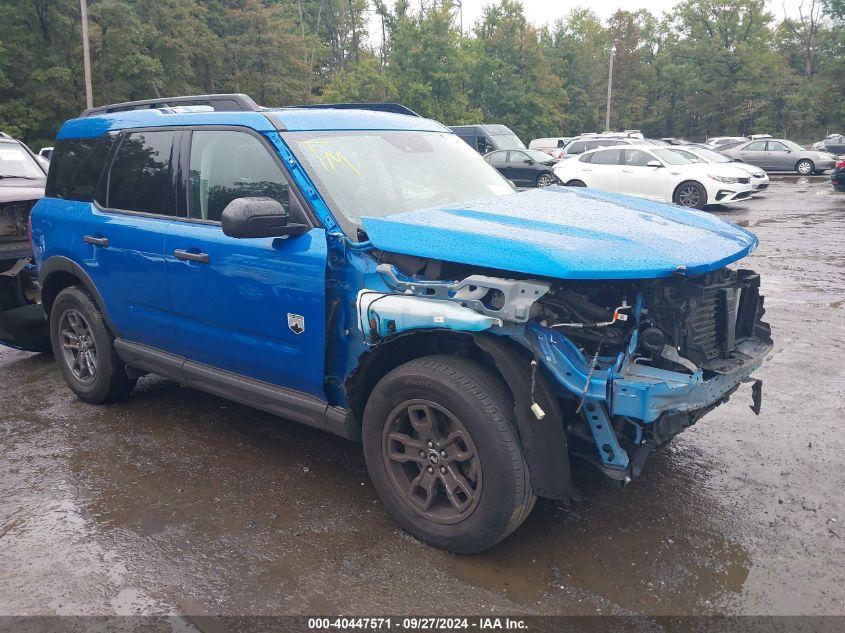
(96, 241)
(628, 171)
(587, 168)
(202, 258)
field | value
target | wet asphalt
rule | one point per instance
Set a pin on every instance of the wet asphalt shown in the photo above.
(174, 501)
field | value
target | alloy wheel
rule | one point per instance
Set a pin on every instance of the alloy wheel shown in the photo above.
(78, 347)
(689, 196)
(432, 461)
(545, 181)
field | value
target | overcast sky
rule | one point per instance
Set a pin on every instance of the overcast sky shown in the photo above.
(547, 11)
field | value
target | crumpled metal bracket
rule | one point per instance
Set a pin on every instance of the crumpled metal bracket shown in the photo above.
(17, 268)
(517, 295)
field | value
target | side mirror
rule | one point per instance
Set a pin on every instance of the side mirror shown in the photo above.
(529, 161)
(654, 163)
(258, 217)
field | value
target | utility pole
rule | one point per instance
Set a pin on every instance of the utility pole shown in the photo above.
(86, 53)
(609, 89)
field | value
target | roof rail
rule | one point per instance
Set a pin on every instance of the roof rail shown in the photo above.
(395, 108)
(4, 135)
(220, 102)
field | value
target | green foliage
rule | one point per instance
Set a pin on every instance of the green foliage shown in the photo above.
(709, 67)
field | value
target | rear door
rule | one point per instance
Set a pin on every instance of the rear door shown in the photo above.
(119, 239)
(255, 307)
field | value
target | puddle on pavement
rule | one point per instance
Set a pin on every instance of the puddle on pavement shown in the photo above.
(645, 549)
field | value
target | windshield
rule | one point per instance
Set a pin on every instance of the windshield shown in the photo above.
(537, 155)
(16, 162)
(712, 156)
(381, 173)
(671, 157)
(507, 141)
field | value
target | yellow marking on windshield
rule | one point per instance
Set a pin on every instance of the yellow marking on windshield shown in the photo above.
(330, 160)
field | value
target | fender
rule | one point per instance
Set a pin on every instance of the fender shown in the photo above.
(544, 441)
(57, 265)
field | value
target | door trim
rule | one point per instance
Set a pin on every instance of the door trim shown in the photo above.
(286, 403)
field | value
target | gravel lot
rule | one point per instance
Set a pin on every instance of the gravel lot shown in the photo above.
(179, 502)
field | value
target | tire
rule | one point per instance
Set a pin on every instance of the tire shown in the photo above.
(576, 183)
(690, 194)
(805, 167)
(545, 180)
(76, 321)
(447, 396)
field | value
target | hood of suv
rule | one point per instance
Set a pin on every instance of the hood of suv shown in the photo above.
(19, 189)
(566, 233)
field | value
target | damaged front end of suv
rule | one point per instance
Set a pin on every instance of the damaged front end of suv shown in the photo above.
(625, 337)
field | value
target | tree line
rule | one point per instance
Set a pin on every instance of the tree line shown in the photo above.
(708, 67)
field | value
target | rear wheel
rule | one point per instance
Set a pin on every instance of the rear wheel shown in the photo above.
(805, 167)
(576, 183)
(84, 348)
(690, 194)
(443, 454)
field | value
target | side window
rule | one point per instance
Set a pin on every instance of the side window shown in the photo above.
(496, 157)
(578, 147)
(483, 145)
(517, 157)
(586, 158)
(756, 146)
(606, 157)
(776, 146)
(76, 167)
(140, 178)
(560, 143)
(226, 165)
(637, 157)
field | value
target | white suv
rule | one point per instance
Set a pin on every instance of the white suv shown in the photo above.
(657, 173)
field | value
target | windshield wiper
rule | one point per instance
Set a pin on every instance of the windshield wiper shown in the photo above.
(21, 177)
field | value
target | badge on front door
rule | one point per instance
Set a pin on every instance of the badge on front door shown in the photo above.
(296, 323)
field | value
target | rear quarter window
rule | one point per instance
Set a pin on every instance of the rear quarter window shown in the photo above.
(76, 167)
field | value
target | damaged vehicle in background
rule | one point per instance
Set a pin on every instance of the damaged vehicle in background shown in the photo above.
(22, 178)
(368, 273)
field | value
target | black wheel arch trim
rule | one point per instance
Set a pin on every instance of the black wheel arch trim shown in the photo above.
(544, 442)
(58, 264)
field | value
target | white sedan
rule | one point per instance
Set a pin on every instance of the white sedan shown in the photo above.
(657, 173)
(701, 154)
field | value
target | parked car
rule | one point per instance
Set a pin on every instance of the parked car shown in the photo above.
(702, 153)
(782, 155)
(657, 173)
(46, 152)
(581, 144)
(338, 266)
(487, 138)
(726, 146)
(22, 323)
(552, 146)
(837, 178)
(718, 141)
(833, 143)
(524, 167)
(669, 140)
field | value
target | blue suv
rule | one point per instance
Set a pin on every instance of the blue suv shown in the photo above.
(362, 270)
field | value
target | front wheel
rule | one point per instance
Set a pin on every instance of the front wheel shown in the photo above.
(575, 183)
(545, 180)
(442, 451)
(84, 349)
(805, 167)
(690, 194)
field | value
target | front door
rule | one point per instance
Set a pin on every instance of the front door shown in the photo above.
(780, 156)
(754, 153)
(120, 238)
(639, 179)
(520, 170)
(255, 307)
(605, 170)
